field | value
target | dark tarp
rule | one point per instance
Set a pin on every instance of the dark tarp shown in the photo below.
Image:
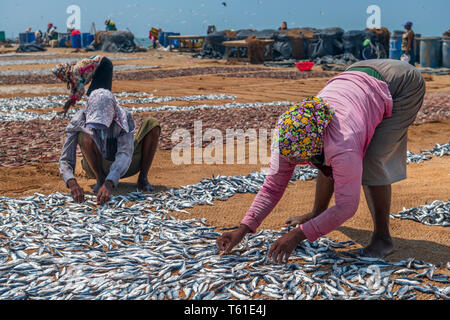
(30, 47)
(113, 41)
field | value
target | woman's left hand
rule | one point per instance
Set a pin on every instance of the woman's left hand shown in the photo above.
(104, 194)
(282, 249)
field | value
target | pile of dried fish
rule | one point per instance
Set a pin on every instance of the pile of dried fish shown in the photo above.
(11, 62)
(12, 109)
(438, 151)
(436, 106)
(276, 74)
(436, 213)
(130, 75)
(51, 248)
(10, 106)
(47, 71)
(218, 188)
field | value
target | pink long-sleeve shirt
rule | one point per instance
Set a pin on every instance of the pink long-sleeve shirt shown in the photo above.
(360, 103)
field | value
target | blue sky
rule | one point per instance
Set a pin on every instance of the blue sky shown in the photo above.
(430, 17)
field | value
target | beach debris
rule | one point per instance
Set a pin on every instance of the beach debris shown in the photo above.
(52, 248)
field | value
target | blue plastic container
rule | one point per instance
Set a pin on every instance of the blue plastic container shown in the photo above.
(22, 38)
(30, 37)
(446, 52)
(90, 39)
(161, 39)
(175, 43)
(76, 41)
(395, 47)
(430, 52)
(84, 40)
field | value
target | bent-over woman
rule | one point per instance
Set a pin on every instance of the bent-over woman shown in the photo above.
(355, 132)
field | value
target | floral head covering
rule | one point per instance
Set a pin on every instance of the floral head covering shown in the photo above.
(63, 72)
(102, 109)
(299, 131)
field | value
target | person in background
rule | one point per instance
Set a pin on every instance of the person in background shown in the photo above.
(38, 37)
(97, 69)
(283, 26)
(211, 29)
(355, 131)
(51, 30)
(153, 36)
(105, 133)
(408, 43)
(28, 29)
(110, 25)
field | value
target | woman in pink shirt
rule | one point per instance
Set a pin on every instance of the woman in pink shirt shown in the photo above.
(355, 133)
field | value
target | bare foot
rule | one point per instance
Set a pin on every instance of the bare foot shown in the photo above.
(298, 220)
(144, 186)
(378, 248)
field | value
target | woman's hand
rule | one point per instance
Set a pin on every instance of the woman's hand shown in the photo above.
(76, 191)
(67, 105)
(104, 194)
(227, 241)
(282, 249)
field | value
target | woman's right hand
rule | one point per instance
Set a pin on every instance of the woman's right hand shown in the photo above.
(227, 241)
(67, 105)
(76, 191)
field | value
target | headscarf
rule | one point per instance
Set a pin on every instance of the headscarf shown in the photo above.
(299, 131)
(63, 72)
(102, 109)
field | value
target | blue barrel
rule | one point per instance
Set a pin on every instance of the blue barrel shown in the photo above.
(430, 52)
(22, 38)
(395, 47)
(84, 39)
(76, 41)
(446, 52)
(161, 37)
(31, 37)
(90, 39)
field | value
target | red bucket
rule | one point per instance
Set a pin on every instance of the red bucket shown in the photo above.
(304, 66)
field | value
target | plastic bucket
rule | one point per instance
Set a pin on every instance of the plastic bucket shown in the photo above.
(395, 48)
(446, 52)
(430, 52)
(2, 36)
(76, 41)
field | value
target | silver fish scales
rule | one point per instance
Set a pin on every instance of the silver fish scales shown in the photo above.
(436, 213)
(139, 252)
